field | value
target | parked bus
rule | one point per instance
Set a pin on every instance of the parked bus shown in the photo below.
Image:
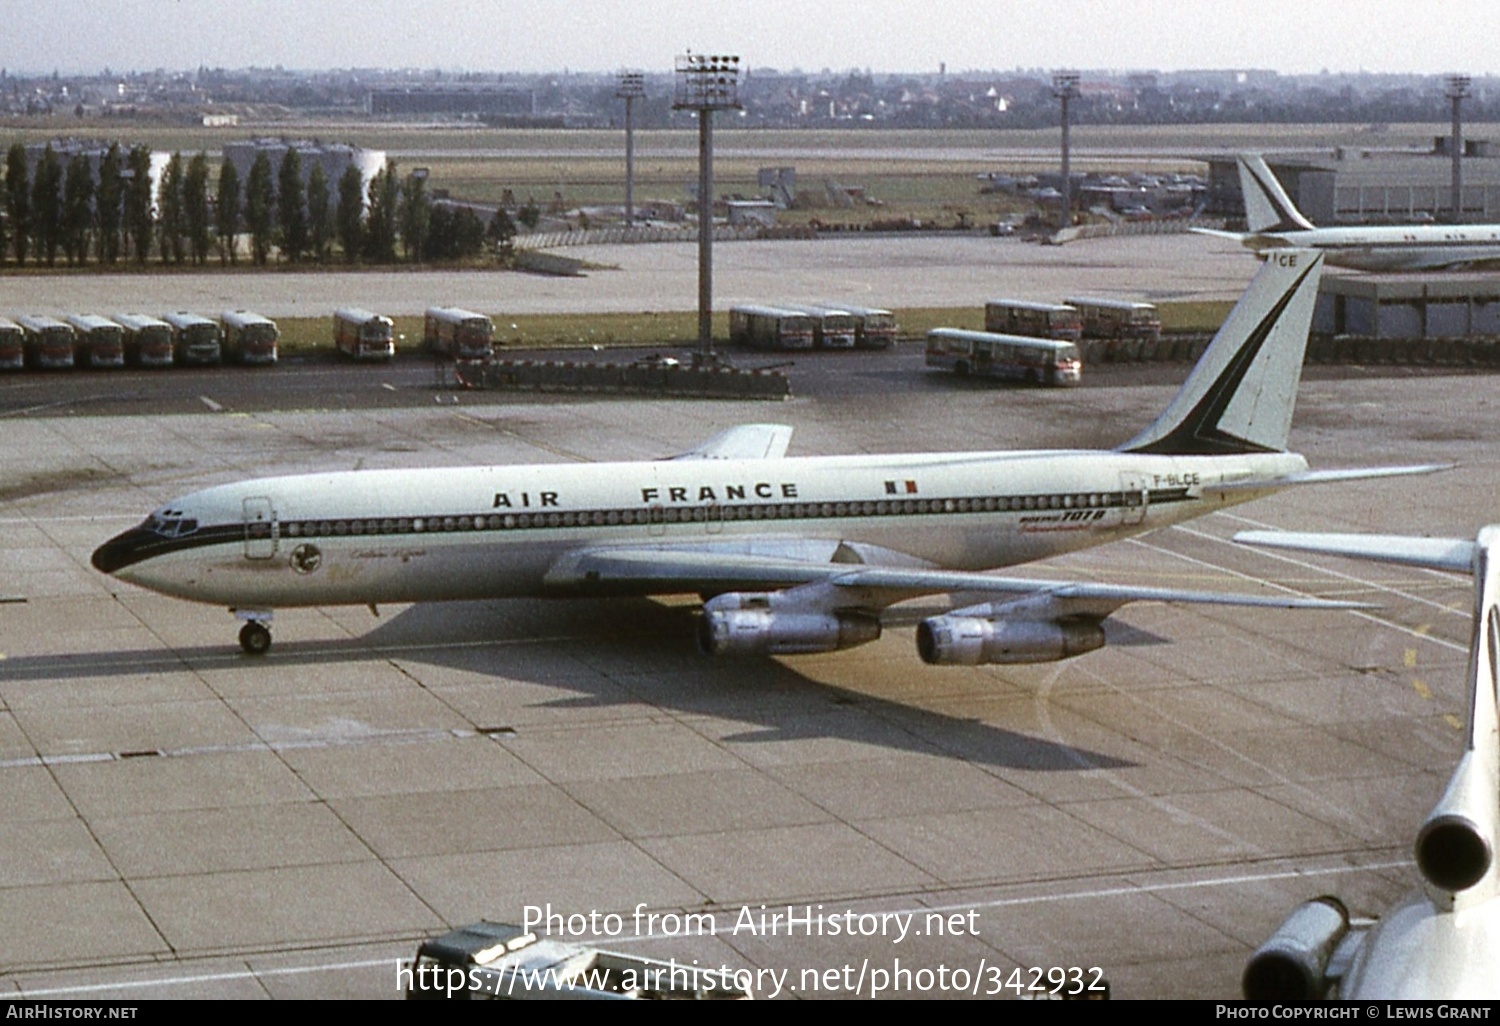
(12, 345)
(1118, 319)
(874, 328)
(250, 338)
(49, 342)
(770, 327)
(458, 334)
(1037, 320)
(833, 327)
(364, 335)
(148, 340)
(1040, 361)
(97, 341)
(195, 339)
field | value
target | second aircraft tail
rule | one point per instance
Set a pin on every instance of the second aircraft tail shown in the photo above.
(1267, 206)
(1239, 397)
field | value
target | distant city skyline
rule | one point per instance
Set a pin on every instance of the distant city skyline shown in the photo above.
(525, 36)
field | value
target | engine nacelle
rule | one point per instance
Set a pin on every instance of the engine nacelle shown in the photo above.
(954, 640)
(750, 624)
(1293, 964)
(1455, 848)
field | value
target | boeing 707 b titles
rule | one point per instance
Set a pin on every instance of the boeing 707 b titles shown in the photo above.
(1274, 222)
(1443, 941)
(793, 554)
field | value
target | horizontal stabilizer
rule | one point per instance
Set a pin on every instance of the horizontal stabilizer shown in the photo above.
(743, 442)
(1456, 554)
(1309, 477)
(1218, 233)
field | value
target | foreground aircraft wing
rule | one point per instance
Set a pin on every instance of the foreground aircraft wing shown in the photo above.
(1454, 554)
(765, 604)
(866, 587)
(743, 442)
(1442, 942)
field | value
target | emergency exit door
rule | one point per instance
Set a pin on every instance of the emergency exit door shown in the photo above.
(261, 534)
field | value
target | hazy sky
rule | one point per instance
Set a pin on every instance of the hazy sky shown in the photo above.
(885, 35)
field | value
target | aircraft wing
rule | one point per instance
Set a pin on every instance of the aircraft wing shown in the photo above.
(1454, 554)
(825, 585)
(1308, 477)
(743, 442)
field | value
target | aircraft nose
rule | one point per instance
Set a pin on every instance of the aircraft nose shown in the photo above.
(123, 549)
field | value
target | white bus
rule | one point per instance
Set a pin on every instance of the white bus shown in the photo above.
(12, 345)
(1039, 361)
(249, 337)
(49, 342)
(195, 339)
(458, 334)
(1117, 319)
(874, 328)
(1038, 320)
(364, 335)
(770, 327)
(97, 341)
(833, 327)
(148, 340)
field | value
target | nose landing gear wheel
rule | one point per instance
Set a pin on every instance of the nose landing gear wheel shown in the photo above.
(255, 638)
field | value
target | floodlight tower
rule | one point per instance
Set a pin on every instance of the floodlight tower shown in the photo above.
(1458, 88)
(706, 83)
(1065, 88)
(632, 86)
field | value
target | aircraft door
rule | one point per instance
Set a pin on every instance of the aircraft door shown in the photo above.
(262, 532)
(1135, 498)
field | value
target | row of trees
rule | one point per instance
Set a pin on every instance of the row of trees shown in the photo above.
(113, 216)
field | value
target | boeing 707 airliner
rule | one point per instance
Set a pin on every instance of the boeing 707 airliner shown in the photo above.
(792, 554)
(1274, 222)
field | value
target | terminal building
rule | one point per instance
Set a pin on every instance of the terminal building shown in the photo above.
(1354, 186)
(334, 158)
(1408, 306)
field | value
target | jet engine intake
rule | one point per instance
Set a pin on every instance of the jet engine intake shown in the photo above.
(746, 624)
(1455, 848)
(1293, 964)
(954, 640)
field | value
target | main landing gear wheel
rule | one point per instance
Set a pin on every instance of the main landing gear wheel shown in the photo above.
(255, 638)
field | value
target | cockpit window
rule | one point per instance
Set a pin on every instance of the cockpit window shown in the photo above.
(170, 523)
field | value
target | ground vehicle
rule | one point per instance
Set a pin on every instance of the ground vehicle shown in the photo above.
(489, 961)
(874, 328)
(833, 326)
(97, 341)
(12, 345)
(148, 340)
(458, 334)
(195, 339)
(1040, 361)
(49, 342)
(249, 337)
(770, 327)
(1038, 320)
(1117, 319)
(364, 335)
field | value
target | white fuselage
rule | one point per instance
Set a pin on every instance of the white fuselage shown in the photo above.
(1417, 953)
(420, 535)
(1409, 248)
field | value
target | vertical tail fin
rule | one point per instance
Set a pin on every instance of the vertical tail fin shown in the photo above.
(1267, 206)
(1239, 397)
